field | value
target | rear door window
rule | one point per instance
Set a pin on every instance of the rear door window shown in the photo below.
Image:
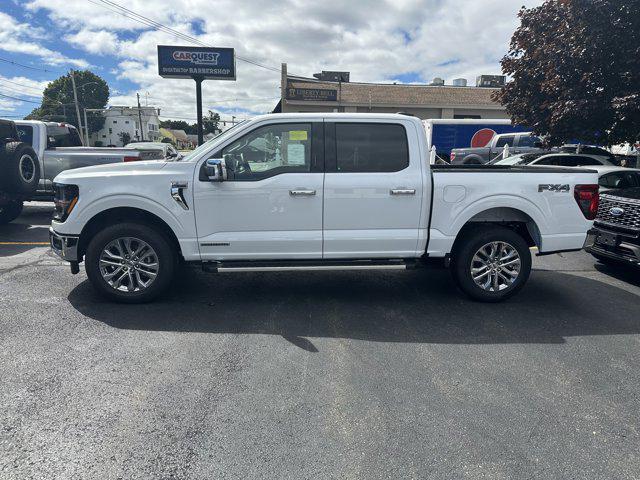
(556, 160)
(586, 161)
(25, 133)
(62, 136)
(528, 141)
(371, 147)
(505, 140)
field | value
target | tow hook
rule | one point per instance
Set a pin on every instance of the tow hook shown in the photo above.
(75, 268)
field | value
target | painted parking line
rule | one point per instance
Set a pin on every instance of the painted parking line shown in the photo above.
(24, 243)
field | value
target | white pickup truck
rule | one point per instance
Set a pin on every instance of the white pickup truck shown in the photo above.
(316, 192)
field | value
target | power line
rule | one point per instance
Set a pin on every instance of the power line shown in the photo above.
(20, 84)
(245, 99)
(19, 99)
(15, 90)
(159, 26)
(26, 66)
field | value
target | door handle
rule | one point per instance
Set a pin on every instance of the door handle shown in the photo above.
(403, 191)
(302, 193)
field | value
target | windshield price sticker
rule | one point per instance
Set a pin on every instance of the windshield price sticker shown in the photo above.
(298, 135)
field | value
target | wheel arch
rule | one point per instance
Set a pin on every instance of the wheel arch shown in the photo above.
(115, 215)
(473, 159)
(513, 218)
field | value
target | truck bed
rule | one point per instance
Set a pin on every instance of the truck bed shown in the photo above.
(507, 169)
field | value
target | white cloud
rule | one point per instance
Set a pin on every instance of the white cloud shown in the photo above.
(376, 40)
(19, 37)
(100, 42)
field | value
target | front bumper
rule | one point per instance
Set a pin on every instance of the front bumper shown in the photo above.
(65, 246)
(617, 247)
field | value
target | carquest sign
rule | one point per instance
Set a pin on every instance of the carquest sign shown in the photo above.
(196, 62)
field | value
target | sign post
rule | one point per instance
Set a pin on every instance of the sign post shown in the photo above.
(198, 63)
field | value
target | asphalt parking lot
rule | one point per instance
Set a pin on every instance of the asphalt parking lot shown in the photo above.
(316, 375)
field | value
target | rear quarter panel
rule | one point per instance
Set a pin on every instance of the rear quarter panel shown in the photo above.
(460, 196)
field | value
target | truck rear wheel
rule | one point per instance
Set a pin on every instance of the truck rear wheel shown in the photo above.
(130, 263)
(21, 169)
(491, 263)
(10, 211)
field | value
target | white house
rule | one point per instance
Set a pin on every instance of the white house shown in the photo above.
(119, 119)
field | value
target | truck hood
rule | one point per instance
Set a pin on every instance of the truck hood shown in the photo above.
(111, 169)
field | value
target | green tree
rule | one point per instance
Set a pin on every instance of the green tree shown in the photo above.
(177, 125)
(210, 122)
(58, 102)
(125, 138)
(575, 71)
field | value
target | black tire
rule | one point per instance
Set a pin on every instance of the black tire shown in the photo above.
(472, 240)
(166, 259)
(20, 168)
(10, 212)
(471, 161)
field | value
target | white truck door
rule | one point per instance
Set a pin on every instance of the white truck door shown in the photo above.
(271, 205)
(373, 190)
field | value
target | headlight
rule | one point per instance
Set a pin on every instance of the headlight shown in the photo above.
(65, 198)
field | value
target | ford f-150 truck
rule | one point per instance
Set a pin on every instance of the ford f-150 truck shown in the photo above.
(59, 147)
(316, 191)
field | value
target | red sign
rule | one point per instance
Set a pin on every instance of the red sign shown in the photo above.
(482, 138)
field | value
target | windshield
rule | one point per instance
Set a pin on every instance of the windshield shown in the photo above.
(206, 145)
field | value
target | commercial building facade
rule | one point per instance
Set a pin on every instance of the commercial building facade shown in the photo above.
(301, 94)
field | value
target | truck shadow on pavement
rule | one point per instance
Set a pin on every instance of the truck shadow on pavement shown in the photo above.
(410, 307)
(624, 273)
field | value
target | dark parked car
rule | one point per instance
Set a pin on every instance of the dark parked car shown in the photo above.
(616, 233)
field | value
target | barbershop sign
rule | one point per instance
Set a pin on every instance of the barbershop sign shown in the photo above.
(196, 62)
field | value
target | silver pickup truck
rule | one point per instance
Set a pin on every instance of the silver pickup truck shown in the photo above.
(521, 142)
(58, 147)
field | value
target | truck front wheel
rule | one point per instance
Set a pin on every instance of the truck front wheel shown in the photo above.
(490, 263)
(130, 263)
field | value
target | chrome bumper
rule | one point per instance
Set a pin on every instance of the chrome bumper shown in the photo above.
(624, 251)
(65, 246)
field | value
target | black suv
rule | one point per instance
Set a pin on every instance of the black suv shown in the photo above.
(616, 232)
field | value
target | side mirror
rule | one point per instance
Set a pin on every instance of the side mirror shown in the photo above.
(216, 170)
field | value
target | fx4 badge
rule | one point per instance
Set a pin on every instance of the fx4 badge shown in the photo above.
(553, 188)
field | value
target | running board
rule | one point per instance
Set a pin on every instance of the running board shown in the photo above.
(306, 265)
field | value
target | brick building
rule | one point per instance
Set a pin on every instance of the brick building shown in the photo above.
(335, 93)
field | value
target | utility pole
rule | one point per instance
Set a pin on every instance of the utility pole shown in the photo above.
(199, 108)
(140, 118)
(75, 99)
(86, 128)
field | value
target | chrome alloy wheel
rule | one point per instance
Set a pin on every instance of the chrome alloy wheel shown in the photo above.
(129, 264)
(495, 266)
(27, 168)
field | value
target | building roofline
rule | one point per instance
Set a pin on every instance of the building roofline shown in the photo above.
(471, 106)
(418, 85)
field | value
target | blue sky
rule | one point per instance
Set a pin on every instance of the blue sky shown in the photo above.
(404, 41)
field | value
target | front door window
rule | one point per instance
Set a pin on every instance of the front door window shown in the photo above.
(268, 151)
